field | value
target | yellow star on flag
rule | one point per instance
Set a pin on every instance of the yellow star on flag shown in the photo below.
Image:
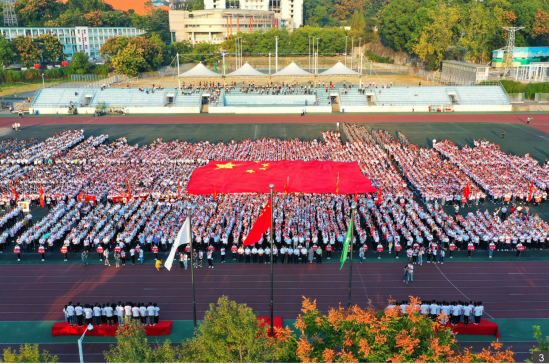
(250, 171)
(229, 165)
(263, 169)
(265, 164)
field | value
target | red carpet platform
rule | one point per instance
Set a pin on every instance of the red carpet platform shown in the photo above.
(267, 321)
(64, 329)
(484, 328)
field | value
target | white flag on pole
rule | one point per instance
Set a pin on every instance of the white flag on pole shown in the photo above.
(183, 238)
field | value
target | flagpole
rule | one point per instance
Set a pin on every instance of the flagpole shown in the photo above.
(271, 186)
(192, 265)
(353, 208)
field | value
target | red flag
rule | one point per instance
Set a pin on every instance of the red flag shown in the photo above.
(129, 191)
(179, 189)
(215, 194)
(337, 184)
(466, 191)
(379, 196)
(531, 192)
(14, 192)
(262, 224)
(41, 196)
(286, 186)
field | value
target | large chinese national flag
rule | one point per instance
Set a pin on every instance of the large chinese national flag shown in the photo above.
(287, 176)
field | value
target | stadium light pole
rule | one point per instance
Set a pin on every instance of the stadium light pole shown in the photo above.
(192, 265)
(269, 63)
(346, 50)
(360, 50)
(271, 186)
(235, 53)
(352, 49)
(317, 55)
(276, 54)
(353, 209)
(80, 352)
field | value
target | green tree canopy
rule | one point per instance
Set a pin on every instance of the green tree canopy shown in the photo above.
(28, 354)
(7, 54)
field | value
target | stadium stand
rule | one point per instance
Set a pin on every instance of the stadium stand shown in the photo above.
(130, 98)
(187, 100)
(353, 97)
(486, 95)
(269, 100)
(59, 97)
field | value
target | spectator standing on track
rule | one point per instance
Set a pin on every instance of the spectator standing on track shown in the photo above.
(181, 261)
(420, 255)
(222, 254)
(106, 253)
(234, 250)
(405, 278)
(247, 252)
(441, 257)
(240, 254)
(17, 250)
(141, 256)
(200, 258)
(85, 258)
(410, 272)
(361, 253)
(132, 255)
(319, 255)
(210, 259)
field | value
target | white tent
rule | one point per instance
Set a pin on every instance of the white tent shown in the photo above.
(246, 70)
(339, 69)
(199, 71)
(292, 70)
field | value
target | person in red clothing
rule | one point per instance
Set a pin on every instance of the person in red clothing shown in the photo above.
(64, 251)
(42, 251)
(234, 250)
(17, 250)
(155, 251)
(100, 252)
(328, 251)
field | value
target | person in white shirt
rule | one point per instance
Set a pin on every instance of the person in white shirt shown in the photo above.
(466, 313)
(97, 314)
(120, 314)
(424, 308)
(88, 314)
(446, 311)
(109, 313)
(156, 311)
(79, 312)
(478, 312)
(209, 255)
(128, 311)
(150, 314)
(143, 313)
(222, 254)
(433, 310)
(135, 312)
(455, 314)
(69, 310)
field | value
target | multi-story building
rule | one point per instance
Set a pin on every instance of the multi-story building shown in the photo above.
(75, 39)
(217, 25)
(289, 12)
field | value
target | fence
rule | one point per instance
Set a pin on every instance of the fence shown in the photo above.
(516, 97)
(85, 78)
(542, 97)
(97, 84)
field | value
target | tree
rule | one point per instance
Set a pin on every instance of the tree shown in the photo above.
(437, 36)
(368, 335)
(52, 49)
(398, 23)
(7, 54)
(28, 354)
(129, 61)
(112, 46)
(80, 63)
(36, 12)
(28, 51)
(132, 346)
(94, 19)
(358, 25)
(231, 333)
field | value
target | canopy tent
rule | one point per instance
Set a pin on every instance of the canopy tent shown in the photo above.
(199, 71)
(339, 69)
(292, 70)
(246, 70)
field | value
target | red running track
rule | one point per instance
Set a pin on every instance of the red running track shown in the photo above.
(39, 292)
(540, 122)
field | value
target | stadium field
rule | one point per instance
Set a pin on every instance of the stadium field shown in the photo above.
(515, 293)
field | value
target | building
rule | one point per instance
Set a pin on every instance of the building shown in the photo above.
(464, 72)
(216, 25)
(75, 39)
(523, 56)
(289, 12)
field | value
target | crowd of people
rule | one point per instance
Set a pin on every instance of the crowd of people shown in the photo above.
(451, 311)
(111, 314)
(117, 196)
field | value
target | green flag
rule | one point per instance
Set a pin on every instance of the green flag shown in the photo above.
(348, 240)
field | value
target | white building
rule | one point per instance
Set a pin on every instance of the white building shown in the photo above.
(289, 12)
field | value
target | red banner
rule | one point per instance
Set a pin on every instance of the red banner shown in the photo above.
(287, 176)
(87, 198)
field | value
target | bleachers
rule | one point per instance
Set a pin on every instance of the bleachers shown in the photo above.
(482, 95)
(353, 98)
(187, 100)
(417, 95)
(61, 97)
(268, 100)
(130, 98)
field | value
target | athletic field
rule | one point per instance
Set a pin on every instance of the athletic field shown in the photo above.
(514, 292)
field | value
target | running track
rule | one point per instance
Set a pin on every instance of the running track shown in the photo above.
(39, 292)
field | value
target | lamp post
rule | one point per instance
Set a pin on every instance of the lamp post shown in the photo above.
(352, 49)
(317, 55)
(43, 83)
(90, 328)
(346, 50)
(310, 36)
(276, 54)
(360, 50)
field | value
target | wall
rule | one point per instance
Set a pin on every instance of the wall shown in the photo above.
(268, 110)
(129, 110)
